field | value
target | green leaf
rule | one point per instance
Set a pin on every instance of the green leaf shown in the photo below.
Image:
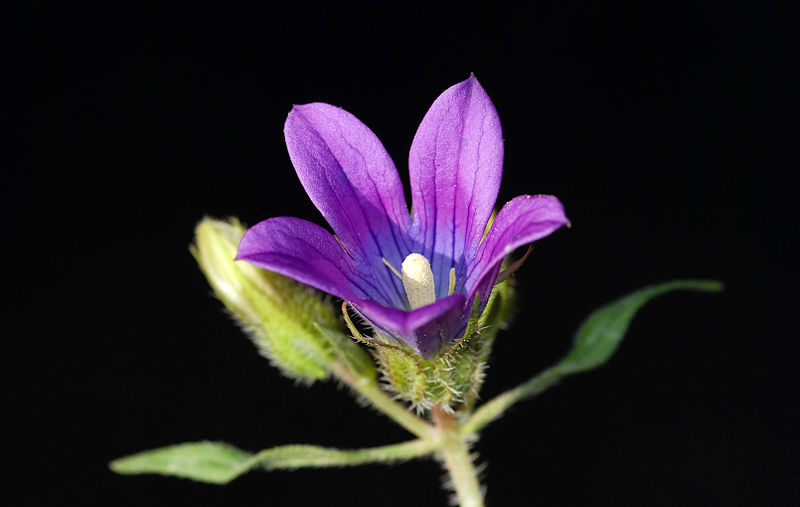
(213, 462)
(595, 342)
(220, 463)
(601, 333)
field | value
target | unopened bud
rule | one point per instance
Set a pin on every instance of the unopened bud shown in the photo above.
(282, 317)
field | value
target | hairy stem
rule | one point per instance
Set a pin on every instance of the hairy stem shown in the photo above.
(494, 408)
(455, 454)
(371, 391)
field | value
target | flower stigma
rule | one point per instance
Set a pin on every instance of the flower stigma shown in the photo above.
(418, 281)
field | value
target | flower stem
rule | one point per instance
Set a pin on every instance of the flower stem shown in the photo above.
(446, 435)
(370, 390)
(454, 452)
(494, 408)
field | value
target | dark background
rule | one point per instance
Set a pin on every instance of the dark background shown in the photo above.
(662, 129)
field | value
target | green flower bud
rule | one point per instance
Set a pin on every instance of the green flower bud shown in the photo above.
(284, 319)
(453, 378)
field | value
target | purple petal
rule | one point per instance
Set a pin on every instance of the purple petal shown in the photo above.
(351, 179)
(309, 254)
(425, 329)
(522, 220)
(455, 164)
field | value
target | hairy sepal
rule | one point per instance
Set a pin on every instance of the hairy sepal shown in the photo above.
(452, 379)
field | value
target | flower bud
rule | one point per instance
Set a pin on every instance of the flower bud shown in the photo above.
(283, 318)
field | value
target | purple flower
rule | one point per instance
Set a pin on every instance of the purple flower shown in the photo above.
(414, 279)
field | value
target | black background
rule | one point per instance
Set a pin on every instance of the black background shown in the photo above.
(662, 129)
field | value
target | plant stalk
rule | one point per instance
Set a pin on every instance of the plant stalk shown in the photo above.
(494, 408)
(451, 443)
(455, 455)
(370, 390)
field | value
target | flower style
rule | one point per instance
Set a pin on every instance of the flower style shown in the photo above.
(414, 280)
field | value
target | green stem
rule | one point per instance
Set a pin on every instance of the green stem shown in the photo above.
(454, 452)
(370, 390)
(494, 408)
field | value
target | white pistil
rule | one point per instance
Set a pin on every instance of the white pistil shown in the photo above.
(418, 281)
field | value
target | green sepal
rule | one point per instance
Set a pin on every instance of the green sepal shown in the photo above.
(220, 463)
(403, 373)
(496, 317)
(499, 309)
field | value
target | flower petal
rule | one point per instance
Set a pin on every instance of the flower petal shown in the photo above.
(522, 220)
(455, 164)
(351, 179)
(309, 254)
(425, 329)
